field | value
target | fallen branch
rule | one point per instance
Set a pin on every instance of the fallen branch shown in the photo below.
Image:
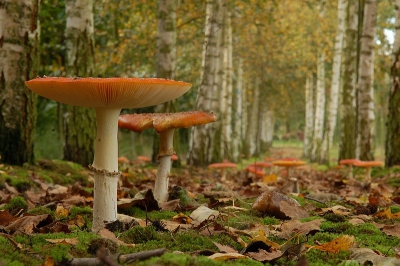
(125, 258)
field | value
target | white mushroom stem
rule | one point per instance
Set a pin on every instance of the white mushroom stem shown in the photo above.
(105, 166)
(164, 165)
(367, 174)
(350, 172)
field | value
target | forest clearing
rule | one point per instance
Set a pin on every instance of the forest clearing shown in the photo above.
(185, 132)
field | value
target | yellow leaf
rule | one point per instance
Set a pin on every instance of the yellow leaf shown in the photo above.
(226, 256)
(182, 218)
(262, 237)
(269, 179)
(61, 212)
(335, 246)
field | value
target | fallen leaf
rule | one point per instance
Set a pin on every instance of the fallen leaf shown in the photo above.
(69, 241)
(182, 218)
(48, 262)
(28, 223)
(335, 246)
(391, 230)
(6, 218)
(337, 209)
(61, 212)
(365, 255)
(226, 256)
(263, 255)
(298, 228)
(203, 213)
(272, 203)
(224, 248)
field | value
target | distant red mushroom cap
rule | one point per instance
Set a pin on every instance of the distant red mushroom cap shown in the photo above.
(108, 92)
(368, 164)
(123, 159)
(289, 163)
(262, 164)
(255, 170)
(348, 161)
(144, 158)
(163, 121)
(223, 165)
(174, 157)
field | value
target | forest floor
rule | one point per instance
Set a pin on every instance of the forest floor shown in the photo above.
(212, 218)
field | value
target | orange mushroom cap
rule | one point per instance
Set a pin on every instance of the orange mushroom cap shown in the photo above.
(349, 161)
(123, 159)
(255, 170)
(262, 164)
(163, 121)
(108, 92)
(174, 157)
(368, 163)
(143, 158)
(222, 165)
(289, 163)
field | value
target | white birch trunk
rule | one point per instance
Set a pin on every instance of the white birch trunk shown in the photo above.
(226, 112)
(334, 93)
(252, 125)
(199, 150)
(237, 132)
(319, 108)
(309, 125)
(270, 128)
(366, 116)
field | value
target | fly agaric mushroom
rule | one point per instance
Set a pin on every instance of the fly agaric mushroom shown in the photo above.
(368, 165)
(253, 169)
(164, 124)
(289, 163)
(224, 165)
(107, 96)
(349, 163)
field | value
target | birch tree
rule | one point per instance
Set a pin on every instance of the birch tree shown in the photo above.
(200, 146)
(392, 145)
(348, 120)
(366, 115)
(252, 124)
(19, 61)
(309, 123)
(318, 132)
(332, 106)
(79, 123)
(238, 114)
(227, 87)
(166, 54)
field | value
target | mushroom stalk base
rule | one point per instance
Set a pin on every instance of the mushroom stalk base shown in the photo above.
(105, 166)
(164, 165)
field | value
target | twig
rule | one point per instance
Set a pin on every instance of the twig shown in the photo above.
(102, 254)
(15, 244)
(127, 258)
(319, 201)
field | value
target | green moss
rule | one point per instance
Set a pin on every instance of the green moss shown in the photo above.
(41, 210)
(16, 204)
(395, 209)
(171, 259)
(270, 221)
(75, 210)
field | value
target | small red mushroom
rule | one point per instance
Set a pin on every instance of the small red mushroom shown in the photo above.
(368, 165)
(164, 124)
(349, 163)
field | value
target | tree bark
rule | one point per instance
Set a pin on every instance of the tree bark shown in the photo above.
(252, 125)
(19, 62)
(238, 115)
(226, 107)
(392, 154)
(366, 115)
(348, 120)
(309, 126)
(332, 106)
(200, 152)
(166, 56)
(79, 123)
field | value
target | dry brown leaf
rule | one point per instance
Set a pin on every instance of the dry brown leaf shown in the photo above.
(75, 200)
(364, 255)
(293, 211)
(261, 236)
(105, 233)
(226, 256)
(77, 221)
(338, 244)
(224, 248)
(6, 218)
(68, 241)
(263, 255)
(171, 205)
(392, 230)
(203, 213)
(28, 223)
(277, 204)
(294, 227)
(338, 209)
